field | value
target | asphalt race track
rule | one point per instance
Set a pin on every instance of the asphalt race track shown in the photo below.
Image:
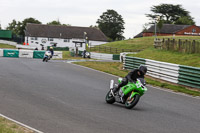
(58, 97)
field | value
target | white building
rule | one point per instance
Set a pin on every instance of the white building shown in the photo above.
(38, 35)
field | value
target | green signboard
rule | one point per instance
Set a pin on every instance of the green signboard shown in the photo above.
(5, 34)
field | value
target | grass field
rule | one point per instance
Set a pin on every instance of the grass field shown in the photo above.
(169, 56)
(7, 46)
(149, 52)
(142, 43)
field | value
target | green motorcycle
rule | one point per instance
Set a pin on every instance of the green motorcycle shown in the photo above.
(128, 94)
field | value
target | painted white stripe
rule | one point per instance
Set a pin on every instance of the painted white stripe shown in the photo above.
(19, 123)
(1, 52)
(162, 89)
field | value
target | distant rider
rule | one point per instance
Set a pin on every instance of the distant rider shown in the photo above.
(52, 52)
(132, 77)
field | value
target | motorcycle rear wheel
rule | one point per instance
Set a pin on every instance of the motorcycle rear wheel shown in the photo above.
(109, 98)
(131, 102)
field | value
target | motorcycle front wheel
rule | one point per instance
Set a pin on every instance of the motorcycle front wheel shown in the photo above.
(131, 102)
(44, 59)
(109, 98)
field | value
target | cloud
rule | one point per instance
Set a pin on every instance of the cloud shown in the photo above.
(86, 12)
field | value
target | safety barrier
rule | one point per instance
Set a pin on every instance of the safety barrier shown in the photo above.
(11, 53)
(132, 62)
(57, 55)
(183, 75)
(1, 52)
(103, 56)
(189, 76)
(163, 70)
(27, 53)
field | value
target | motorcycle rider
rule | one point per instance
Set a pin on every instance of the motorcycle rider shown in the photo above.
(52, 52)
(132, 77)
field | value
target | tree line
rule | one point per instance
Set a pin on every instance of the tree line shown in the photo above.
(169, 14)
(112, 24)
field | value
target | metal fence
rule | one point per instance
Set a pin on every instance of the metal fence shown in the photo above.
(180, 45)
(107, 49)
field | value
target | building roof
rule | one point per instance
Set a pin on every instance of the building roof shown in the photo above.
(168, 28)
(65, 32)
(138, 35)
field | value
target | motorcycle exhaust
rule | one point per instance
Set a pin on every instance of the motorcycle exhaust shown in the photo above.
(111, 84)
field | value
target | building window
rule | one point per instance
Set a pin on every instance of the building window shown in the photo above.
(66, 40)
(33, 38)
(50, 39)
(78, 45)
(193, 30)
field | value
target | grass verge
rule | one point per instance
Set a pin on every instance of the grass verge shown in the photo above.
(7, 126)
(115, 68)
(7, 46)
(145, 44)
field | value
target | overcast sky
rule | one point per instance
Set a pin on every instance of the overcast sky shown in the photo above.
(86, 12)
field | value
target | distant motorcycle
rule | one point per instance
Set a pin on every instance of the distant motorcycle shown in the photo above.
(47, 56)
(86, 54)
(128, 94)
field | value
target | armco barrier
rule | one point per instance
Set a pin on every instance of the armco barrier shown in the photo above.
(189, 76)
(163, 70)
(183, 75)
(116, 57)
(133, 62)
(1, 52)
(57, 55)
(11, 53)
(101, 56)
(26, 53)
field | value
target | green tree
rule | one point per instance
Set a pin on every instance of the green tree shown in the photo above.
(185, 20)
(169, 13)
(112, 25)
(160, 25)
(94, 26)
(24, 22)
(14, 26)
(57, 23)
(54, 23)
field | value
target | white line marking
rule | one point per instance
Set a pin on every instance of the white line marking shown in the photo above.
(166, 90)
(35, 130)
